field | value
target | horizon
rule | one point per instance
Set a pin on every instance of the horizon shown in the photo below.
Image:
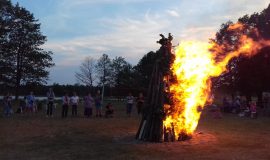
(130, 29)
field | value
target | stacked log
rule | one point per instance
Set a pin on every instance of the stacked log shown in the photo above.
(151, 126)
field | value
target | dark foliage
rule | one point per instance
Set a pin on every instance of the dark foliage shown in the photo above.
(247, 75)
(22, 61)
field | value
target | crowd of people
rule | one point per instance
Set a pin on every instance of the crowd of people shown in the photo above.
(29, 105)
(240, 105)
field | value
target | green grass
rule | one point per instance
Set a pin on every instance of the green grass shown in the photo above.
(35, 137)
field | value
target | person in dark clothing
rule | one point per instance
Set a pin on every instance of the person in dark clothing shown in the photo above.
(7, 105)
(65, 105)
(98, 101)
(50, 96)
(140, 101)
(22, 105)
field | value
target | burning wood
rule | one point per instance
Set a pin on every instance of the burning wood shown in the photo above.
(175, 96)
(151, 127)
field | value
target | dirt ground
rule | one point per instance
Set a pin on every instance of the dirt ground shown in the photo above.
(35, 137)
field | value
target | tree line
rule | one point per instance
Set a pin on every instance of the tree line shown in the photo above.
(116, 75)
(115, 72)
(249, 76)
(24, 64)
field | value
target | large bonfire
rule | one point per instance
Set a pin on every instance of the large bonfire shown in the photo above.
(194, 65)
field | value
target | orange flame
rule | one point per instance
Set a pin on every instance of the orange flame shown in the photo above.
(194, 65)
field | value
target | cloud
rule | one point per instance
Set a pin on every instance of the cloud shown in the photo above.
(131, 39)
(133, 35)
(173, 13)
(91, 2)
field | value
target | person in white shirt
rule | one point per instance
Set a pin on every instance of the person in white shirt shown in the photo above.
(74, 100)
(130, 101)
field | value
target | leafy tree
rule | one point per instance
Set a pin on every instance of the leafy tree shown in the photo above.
(128, 77)
(104, 71)
(23, 60)
(5, 61)
(144, 68)
(86, 73)
(121, 71)
(247, 75)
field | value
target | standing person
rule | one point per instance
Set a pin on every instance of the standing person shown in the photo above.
(237, 105)
(65, 100)
(140, 101)
(30, 102)
(22, 105)
(74, 103)
(50, 96)
(98, 104)
(253, 110)
(130, 101)
(88, 105)
(7, 105)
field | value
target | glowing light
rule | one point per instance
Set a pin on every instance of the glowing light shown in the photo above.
(194, 65)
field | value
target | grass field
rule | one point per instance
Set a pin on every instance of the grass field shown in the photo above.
(35, 137)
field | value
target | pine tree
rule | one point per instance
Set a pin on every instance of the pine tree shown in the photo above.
(23, 60)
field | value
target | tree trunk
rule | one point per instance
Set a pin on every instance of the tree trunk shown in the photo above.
(18, 77)
(102, 95)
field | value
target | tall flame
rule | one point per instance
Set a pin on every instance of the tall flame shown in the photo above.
(194, 65)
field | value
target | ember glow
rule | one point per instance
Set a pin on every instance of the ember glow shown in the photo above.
(194, 65)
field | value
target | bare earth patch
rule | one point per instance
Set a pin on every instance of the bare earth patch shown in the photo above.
(35, 137)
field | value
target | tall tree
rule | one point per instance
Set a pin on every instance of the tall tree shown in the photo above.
(144, 68)
(120, 67)
(247, 75)
(25, 61)
(86, 73)
(5, 13)
(104, 71)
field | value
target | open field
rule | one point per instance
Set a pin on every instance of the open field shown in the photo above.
(35, 137)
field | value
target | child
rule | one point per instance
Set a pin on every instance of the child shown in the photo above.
(88, 105)
(109, 110)
(247, 111)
